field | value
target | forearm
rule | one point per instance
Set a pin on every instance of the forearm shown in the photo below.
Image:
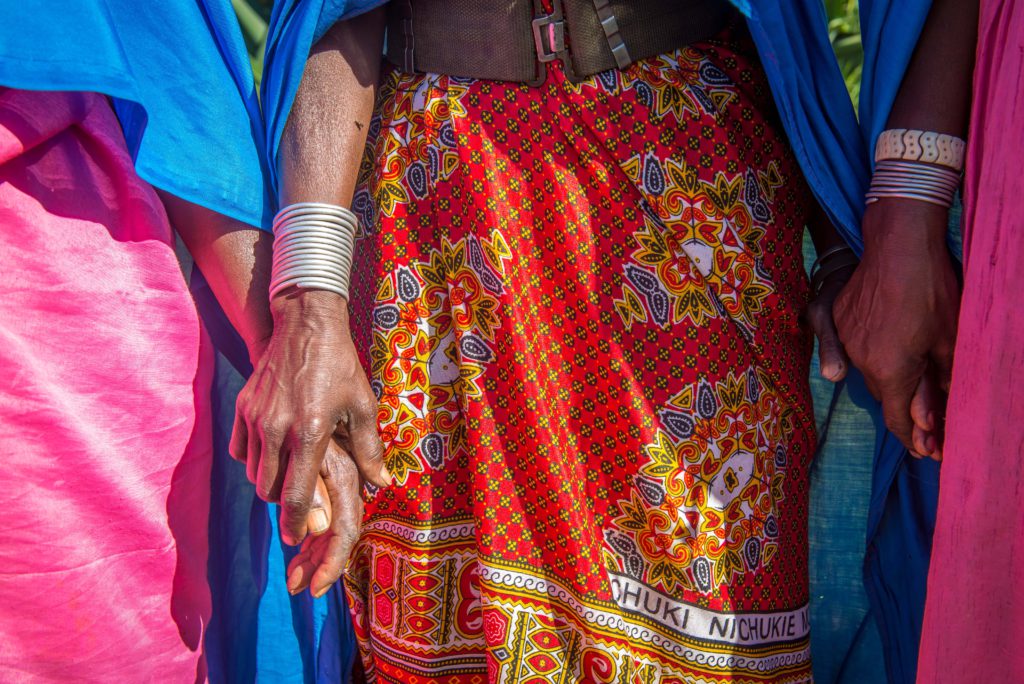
(235, 259)
(935, 92)
(322, 143)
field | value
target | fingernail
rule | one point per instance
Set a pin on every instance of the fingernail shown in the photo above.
(293, 582)
(929, 443)
(386, 477)
(323, 590)
(319, 521)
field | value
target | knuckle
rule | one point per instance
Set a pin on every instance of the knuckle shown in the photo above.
(271, 427)
(265, 492)
(308, 434)
(295, 503)
(348, 537)
(364, 411)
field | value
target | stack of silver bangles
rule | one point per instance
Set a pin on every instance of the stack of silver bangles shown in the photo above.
(313, 248)
(915, 180)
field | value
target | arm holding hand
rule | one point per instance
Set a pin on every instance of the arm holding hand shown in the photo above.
(897, 316)
(308, 409)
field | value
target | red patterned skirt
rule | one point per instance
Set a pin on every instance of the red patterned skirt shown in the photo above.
(581, 307)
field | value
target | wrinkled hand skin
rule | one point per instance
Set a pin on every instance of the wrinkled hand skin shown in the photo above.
(307, 388)
(322, 559)
(897, 318)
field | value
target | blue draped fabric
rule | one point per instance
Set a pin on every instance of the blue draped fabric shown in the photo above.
(180, 80)
(898, 504)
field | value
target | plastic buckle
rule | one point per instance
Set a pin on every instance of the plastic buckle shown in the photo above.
(549, 37)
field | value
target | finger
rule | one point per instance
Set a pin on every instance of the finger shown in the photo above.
(252, 459)
(832, 360)
(238, 446)
(345, 487)
(319, 519)
(942, 359)
(924, 405)
(896, 412)
(300, 569)
(367, 450)
(272, 462)
(921, 438)
(300, 478)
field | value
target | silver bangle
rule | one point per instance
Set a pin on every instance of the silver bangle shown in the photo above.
(313, 248)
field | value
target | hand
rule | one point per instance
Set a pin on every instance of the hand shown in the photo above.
(832, 360)
(306, 387)
(897, 315)
(322, 559)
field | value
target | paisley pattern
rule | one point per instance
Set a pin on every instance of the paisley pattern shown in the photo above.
(580, 305)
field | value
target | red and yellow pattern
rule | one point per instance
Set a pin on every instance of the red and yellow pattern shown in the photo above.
(580, 305)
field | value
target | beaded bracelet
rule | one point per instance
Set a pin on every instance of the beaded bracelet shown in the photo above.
(903, 144)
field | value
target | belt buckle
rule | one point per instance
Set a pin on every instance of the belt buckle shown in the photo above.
(549, 37)
(549, 42)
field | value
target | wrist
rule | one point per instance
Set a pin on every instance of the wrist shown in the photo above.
(309, 306)
(903, 225)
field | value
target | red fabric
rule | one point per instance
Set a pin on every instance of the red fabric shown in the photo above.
(581, 307)
(974, 617)
(104, 424)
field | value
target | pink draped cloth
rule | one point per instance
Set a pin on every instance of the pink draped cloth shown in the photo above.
(974, 619)
(105, 447)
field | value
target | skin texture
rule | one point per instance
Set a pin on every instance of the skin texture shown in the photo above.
(235, 258)
(897, 316)
(308, 409)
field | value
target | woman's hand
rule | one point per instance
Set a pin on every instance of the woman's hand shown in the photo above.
(322, 559)
(897, 317)
(306, 388)
(832, 360)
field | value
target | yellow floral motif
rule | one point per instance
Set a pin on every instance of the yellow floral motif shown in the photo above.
(434, 323)
(709, 489)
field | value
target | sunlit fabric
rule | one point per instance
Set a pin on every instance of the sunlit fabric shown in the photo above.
(104, 391)
(974, 622)
(181, 82)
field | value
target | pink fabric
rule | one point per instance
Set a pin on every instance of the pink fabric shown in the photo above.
(104, 424)
(974, 619)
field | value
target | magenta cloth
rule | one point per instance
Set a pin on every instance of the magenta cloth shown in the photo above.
(974, 618)
(105, 434)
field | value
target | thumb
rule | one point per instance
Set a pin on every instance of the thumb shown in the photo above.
(318, 520)
(833, 362)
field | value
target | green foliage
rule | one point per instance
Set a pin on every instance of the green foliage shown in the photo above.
(253, 16)
(844, 30)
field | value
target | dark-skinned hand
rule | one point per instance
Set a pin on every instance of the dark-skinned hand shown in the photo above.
(322, 559)
(832, 360)
(306, 388)
(897, 318)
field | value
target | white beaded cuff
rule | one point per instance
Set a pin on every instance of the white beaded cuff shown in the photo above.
(921, 146)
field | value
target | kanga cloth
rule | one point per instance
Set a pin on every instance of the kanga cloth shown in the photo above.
(974, 617)
(104, 410)
(581, 309)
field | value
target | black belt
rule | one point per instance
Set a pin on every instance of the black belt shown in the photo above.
(511, 40)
